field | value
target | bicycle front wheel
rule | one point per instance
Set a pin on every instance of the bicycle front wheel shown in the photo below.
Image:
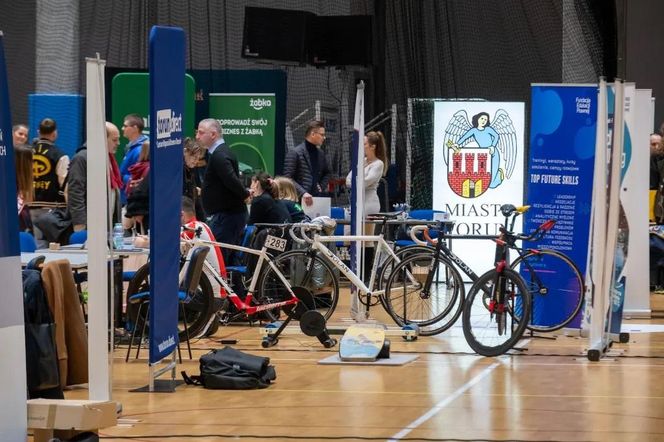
(556, 287)
(301, 269)
(492, 327)
(434, 306)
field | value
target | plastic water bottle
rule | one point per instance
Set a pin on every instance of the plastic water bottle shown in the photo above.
(118, 236)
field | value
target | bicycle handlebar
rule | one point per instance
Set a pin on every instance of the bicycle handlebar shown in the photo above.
(415, 230)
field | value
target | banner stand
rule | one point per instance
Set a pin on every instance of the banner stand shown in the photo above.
(160, 385)
(166, 60)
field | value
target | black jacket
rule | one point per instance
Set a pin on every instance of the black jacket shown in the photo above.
(77, 183)
(222, 189)
(265, 209)
(297, 166)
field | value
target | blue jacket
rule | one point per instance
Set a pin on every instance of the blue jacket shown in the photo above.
(131, 157)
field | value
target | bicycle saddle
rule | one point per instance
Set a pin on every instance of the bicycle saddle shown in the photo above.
(507, 209)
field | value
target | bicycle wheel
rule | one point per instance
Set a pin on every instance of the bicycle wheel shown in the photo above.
(302, 269)
(488, 330)
(385, 269)
(556, 287)
(409, 301)
(197, 309)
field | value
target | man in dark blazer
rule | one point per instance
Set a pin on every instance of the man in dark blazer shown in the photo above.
(224, 195)
(307, 166)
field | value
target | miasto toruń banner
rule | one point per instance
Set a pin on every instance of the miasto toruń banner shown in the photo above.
(478, 166)
(248, 121)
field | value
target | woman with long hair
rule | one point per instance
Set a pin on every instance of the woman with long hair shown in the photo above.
(191, 186)
(375, 167)
(265, 207)
(24, 185)
(288, 196)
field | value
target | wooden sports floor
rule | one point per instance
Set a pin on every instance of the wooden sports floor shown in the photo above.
(550, 392)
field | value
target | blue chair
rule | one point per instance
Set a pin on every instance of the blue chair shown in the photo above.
(79, 237)
(186, 292)
(246, 242)
(28, 243)
(423, 214)
(339, 214)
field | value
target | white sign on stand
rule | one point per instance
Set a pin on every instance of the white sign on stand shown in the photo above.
(322, 206)
(478, 166)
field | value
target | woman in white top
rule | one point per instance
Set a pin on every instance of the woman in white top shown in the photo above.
(375, 167)
(375, 161)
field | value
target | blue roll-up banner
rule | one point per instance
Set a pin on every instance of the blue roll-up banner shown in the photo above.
(560, 171)
(13, 420)
(167, 81)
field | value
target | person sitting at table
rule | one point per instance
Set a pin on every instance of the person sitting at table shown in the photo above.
(265, 205)
(192, 227)
(24, 185)
(288, 196)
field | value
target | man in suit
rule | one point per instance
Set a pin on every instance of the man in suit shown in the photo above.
(224, 196)
(307, 166)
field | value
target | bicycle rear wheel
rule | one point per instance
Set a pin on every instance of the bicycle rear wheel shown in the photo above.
(301, 269)
(556, 287)
(490, 330)
(409, 301)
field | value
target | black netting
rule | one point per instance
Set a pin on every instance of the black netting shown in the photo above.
(422, 49)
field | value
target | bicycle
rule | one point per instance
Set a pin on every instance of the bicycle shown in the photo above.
(298, 302)
(554, 281)
(305, 267)
(497, 308)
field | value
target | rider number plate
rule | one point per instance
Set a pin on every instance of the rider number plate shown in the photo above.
(275, 243)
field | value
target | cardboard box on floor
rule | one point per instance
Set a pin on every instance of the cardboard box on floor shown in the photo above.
(46, 415)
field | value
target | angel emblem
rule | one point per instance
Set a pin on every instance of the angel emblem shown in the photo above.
(471, 169)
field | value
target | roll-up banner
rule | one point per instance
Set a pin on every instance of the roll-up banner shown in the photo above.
(478, 166)
(166, 63)
(560, 173)
(249, 122)
(13, 419)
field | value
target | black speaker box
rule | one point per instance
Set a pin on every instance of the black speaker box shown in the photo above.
(275, 34)
(337, 40)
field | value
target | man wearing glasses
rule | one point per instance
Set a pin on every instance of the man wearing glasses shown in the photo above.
(307, 166)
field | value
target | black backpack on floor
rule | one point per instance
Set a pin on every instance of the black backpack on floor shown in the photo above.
(231, 369)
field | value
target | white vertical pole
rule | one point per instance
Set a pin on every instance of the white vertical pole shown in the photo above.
(357, 309)
(614, 203)
(97, 207)
(595, 273)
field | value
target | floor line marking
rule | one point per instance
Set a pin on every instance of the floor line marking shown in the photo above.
(443, 403)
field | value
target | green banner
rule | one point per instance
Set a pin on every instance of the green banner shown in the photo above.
(131, 95)
(249, 122)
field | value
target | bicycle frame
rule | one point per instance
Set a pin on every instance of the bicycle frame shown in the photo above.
(317, 243)
(245, 306)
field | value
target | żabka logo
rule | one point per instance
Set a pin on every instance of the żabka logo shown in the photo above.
(259, 103)
(167, 123)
